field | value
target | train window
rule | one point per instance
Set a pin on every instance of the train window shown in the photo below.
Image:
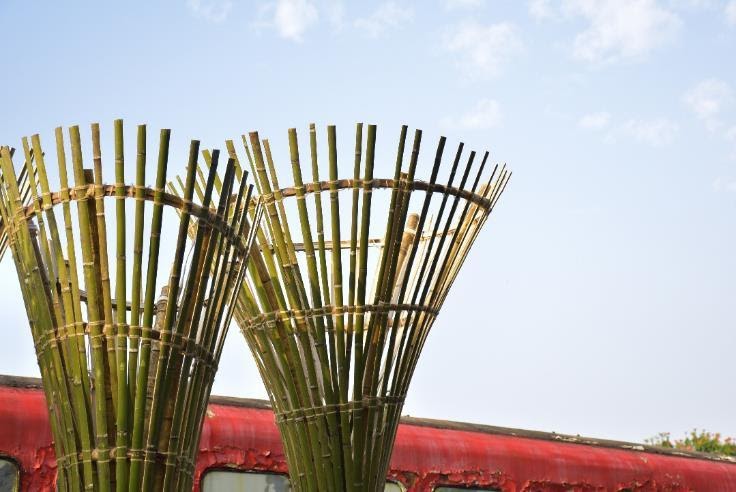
(8, 476)
(236, 481)
(458, 489)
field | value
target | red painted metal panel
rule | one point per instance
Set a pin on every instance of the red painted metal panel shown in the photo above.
(25, 436)
(246, 438)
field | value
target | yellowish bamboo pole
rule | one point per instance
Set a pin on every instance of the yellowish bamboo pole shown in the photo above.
(101, 407)
(337, 361)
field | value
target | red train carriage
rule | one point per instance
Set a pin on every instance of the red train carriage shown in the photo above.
(240, 451)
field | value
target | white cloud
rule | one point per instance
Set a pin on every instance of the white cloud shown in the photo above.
(708, 99)
(211, 11)
(657, 133)
(483, 49)
(463, 4)
(594, 121)
(388, 15)
(730, 12)
(731, 137)
(335, 10)
(484, 115)
(541, 9)
(724, 184)
(293, 17)
(693, 4)
(621, 29)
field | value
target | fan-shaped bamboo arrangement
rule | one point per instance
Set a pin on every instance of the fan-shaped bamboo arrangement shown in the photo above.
(127, 377)
(337, 347)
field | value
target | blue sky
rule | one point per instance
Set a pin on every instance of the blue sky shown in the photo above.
(605, 282)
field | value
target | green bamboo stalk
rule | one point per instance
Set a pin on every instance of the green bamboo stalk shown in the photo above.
(102, 267)
(21, 241)
(334, 424)
(138, 226)
(150, 477)
(95, 322)
(187, 326)
(141, 387)
(202, 241)
(122, 438)
(84, 414)
(337, 387)
(287, 263)
(90, 414)
(65, 317)
(320, 345)
(360, 415)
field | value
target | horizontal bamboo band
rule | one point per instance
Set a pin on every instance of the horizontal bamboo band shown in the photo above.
(302, 413)
(349, 184)
(108, 455)
(331, 310)
(207, 216)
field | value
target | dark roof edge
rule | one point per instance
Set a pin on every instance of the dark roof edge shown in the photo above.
(35, 383)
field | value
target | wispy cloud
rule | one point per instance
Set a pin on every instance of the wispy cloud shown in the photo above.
(388, 15)
(621, 29)
(482, 49)
(335, 10)
(484, 115)
(594, 121)
(542, 9)
(617, 30)
(463, 4)
(730, 12)
(722, 183)
(656, 133)
(211, 10)
(731, 137)
(708, 99)
(292, 18)
(694, 4)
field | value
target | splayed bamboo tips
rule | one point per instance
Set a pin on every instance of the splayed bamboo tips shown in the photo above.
(127, 352)
(345, 281)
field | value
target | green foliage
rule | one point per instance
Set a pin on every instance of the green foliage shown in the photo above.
(703, 441)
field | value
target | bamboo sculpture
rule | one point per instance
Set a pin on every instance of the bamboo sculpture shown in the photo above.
(126, 377)
(336, 348)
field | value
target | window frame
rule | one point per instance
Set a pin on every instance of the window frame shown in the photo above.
(401, 486)
(18, 468)
(206, 471)
(460, 487)
(233, 469)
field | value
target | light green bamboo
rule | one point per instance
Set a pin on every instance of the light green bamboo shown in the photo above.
(101, 406)
(337, 367)
(122, 437)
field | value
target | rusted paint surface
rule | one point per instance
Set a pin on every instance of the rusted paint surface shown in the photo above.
(25, 436)
(240, 438)
(512, 463)
(243, 436)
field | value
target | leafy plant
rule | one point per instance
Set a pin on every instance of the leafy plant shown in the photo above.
(702, 441)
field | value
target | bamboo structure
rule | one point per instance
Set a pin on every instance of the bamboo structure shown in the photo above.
(126, 376)
(336, 347)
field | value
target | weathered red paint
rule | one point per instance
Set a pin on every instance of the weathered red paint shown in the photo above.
(243, 436)
(25, 436)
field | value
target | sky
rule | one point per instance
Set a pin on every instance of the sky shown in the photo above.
(598, 300)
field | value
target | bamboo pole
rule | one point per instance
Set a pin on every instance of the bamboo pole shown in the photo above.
(102, 408)
(337, 360)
